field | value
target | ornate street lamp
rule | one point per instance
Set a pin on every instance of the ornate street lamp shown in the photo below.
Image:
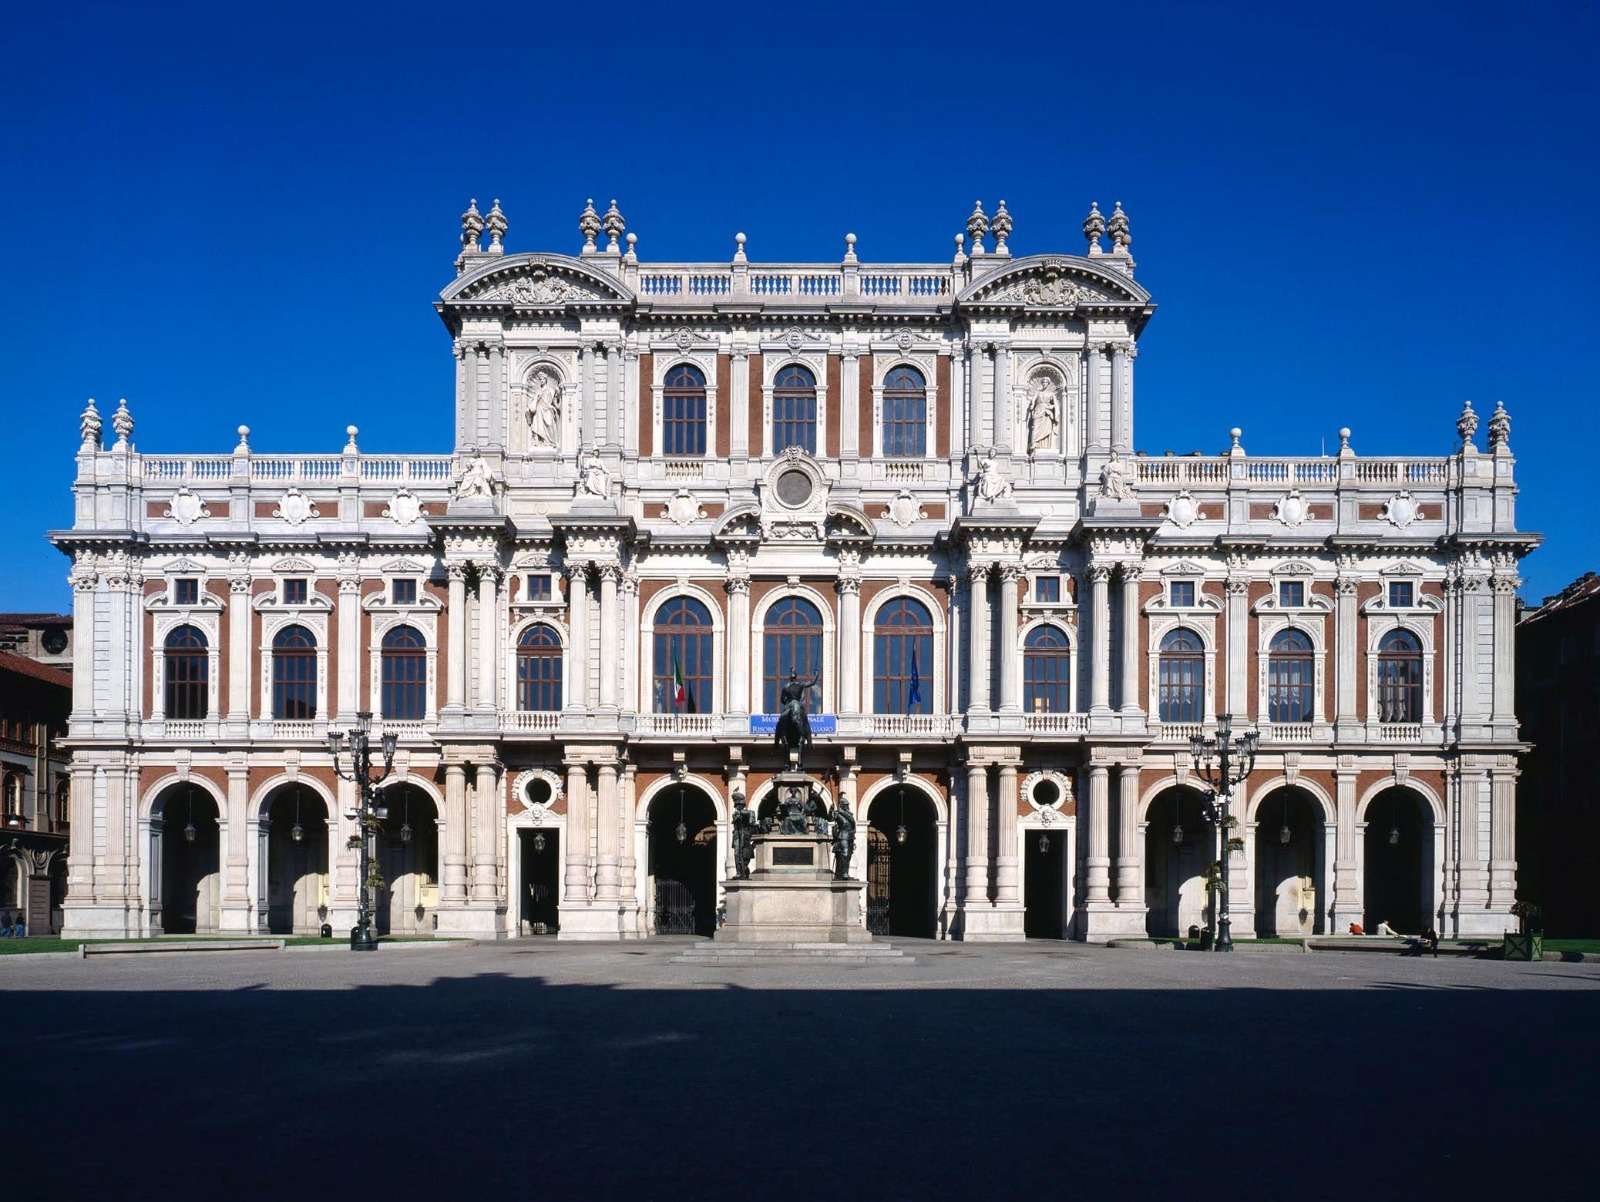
(297, 832)
(405, 823)
(189, 833)
(900, 832)
(370, 813)
(1223, 762)
(681, 831)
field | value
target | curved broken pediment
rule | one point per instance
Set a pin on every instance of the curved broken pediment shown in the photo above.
(1053, 282)
(535, 281)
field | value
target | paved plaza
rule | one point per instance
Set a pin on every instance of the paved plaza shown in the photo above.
(549, 1070)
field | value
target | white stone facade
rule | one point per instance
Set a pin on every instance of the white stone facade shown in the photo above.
(1027, 510)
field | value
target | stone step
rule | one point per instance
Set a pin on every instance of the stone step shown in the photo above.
(793, 953)
(135, 947)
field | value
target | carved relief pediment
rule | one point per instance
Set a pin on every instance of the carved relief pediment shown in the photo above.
(1053, 283)
(536, 281)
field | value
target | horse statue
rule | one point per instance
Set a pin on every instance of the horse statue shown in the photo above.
(793, 731)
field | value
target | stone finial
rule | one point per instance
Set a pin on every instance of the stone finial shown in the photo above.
(497, 226)
(961, 256)
(588, 225)
(632, 255)
(1002, 226)
(1467, 425)
(1344, 441)
(614, 226)
(244, 441)
(977, 227)
(1093, 226)
(738, 248)
(1499, 427)
(850, 248)
(122, 422)
(1117, 227)
(471, 227)
(1234, 447)
(89, 425)
(350, 447)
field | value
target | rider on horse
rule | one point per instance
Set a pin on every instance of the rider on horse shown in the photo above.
(793, 730)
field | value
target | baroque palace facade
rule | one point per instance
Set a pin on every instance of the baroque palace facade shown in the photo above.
(916, 486)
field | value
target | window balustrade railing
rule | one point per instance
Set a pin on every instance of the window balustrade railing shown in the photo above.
(885, 284)
(1278, 472)
(1178, 732)
(531, 721)
(1056, 724)
(1286, 732)
(910, 724)
(295, 469)
(1400, 732)
(679, 724)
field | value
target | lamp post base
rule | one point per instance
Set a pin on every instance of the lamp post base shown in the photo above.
(362, 939)
(1224, 941)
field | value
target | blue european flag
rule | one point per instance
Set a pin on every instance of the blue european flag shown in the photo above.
(914, 695)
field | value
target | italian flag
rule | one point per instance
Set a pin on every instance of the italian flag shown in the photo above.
(680, 693)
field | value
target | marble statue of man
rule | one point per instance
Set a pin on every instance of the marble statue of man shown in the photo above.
(476, 480)
(544, 410)
(1114, 481)
(1044, 415)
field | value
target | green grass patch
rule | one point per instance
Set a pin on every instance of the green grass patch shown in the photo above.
(1573, 945)
(22, 947)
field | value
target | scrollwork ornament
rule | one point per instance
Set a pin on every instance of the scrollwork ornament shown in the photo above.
(186, 507)
(1400, 510)
(1291, 509)
(295, 508)
(1182, 510)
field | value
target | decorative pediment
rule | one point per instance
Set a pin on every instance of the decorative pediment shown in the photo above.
(183, 567)
(402, 567)
(1054, 282)
(846, 523)
(1186, 567)
(1294, 567)
(292, 565)
(536, 281)
(1403, 568)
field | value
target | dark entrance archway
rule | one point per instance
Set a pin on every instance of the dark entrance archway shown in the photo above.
(1398, 870)
(682, 822)
(1179, 843)
(902, 864)
(186, 844)
(295, 830)
(408, 857)
(1044, 884)
(541, 880)
(1289, 869)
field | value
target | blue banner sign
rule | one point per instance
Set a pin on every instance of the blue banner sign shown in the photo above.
(821, 724)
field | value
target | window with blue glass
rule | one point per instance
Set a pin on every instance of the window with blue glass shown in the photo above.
(794, 410)
(683, 411)
(294, 674)
(1180, 594)
(682, 653)
(1181, 677)
(1291, 673)
(1402, 594)
(187, 674)
(791, 642)
(1291, 594)
(1399, 676)
(1047, 671)
(539, 668)
(905, 414)
(902, 658)
(1047, 589)
(404, 674)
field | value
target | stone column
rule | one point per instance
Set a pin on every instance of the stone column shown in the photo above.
(349, 647)
(486, 842)
(606, 877)
(239, 656)
(577, 835)
(453, 882)
(1131, 574)
(630, 388)
(1010, 653)
(1098, 860)
(497, 394)
(1006, 882)
(977, 894)
(849, 586)
(978, 642)
(488, 630)
(1002, 398)
(456, 686)
(1346, 876)
(1238, 618)
(235, 907)
(630, 640)
(1094, 372)
(84, 584)
(80, 851)
(609, 357)
(971, 373)
(739, 403)
(1503, 696)
(738, 586)
(1121, 435)
(1347, 656)
(1100, 638)
(578, 635)
(586, 394)
(850, 406)
(1502, 839)
(628, 883)
(610, 634)
(1130, 852)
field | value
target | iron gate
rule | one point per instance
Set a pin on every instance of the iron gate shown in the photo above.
(674, 907)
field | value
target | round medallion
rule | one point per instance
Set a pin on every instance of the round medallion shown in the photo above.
(54, 641)
(794, 487)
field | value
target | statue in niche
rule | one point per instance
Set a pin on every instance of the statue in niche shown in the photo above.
(1044, 412)
(1114, 481)
(544, 410)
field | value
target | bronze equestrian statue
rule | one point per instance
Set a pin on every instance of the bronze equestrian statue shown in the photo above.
(793, 731)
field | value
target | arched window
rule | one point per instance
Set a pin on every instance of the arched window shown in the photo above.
(1399, 677)
(793, 642)
(905, 414)
(683, 657)
(1291, 676)
(1182, 677)
(405, 675)
(63, 803)
(794, 410)
(1047, 671)
(683, 411)
(538, 669)
(294, 674)
(186, 671)
(902, 658)
(13, 788)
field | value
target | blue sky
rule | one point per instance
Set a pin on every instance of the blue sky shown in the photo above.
(1349, 215)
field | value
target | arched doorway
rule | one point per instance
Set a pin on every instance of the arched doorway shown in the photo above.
(1044, 883)
(902, 863)
(186, 845)
(408, 857)
(295, 838)
(682, 825)
(1397, 877)
(1179, 844)
(1289, 865)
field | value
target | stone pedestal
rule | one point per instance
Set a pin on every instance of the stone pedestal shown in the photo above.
(792, 896)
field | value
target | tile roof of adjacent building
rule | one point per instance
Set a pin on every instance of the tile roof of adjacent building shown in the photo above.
(1584, 589)
(23, 666)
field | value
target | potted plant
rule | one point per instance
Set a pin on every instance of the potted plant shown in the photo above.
(1528, 941)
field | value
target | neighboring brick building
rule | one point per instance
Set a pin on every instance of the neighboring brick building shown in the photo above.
(1558, 799)
(34, 782)
(671, 483)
